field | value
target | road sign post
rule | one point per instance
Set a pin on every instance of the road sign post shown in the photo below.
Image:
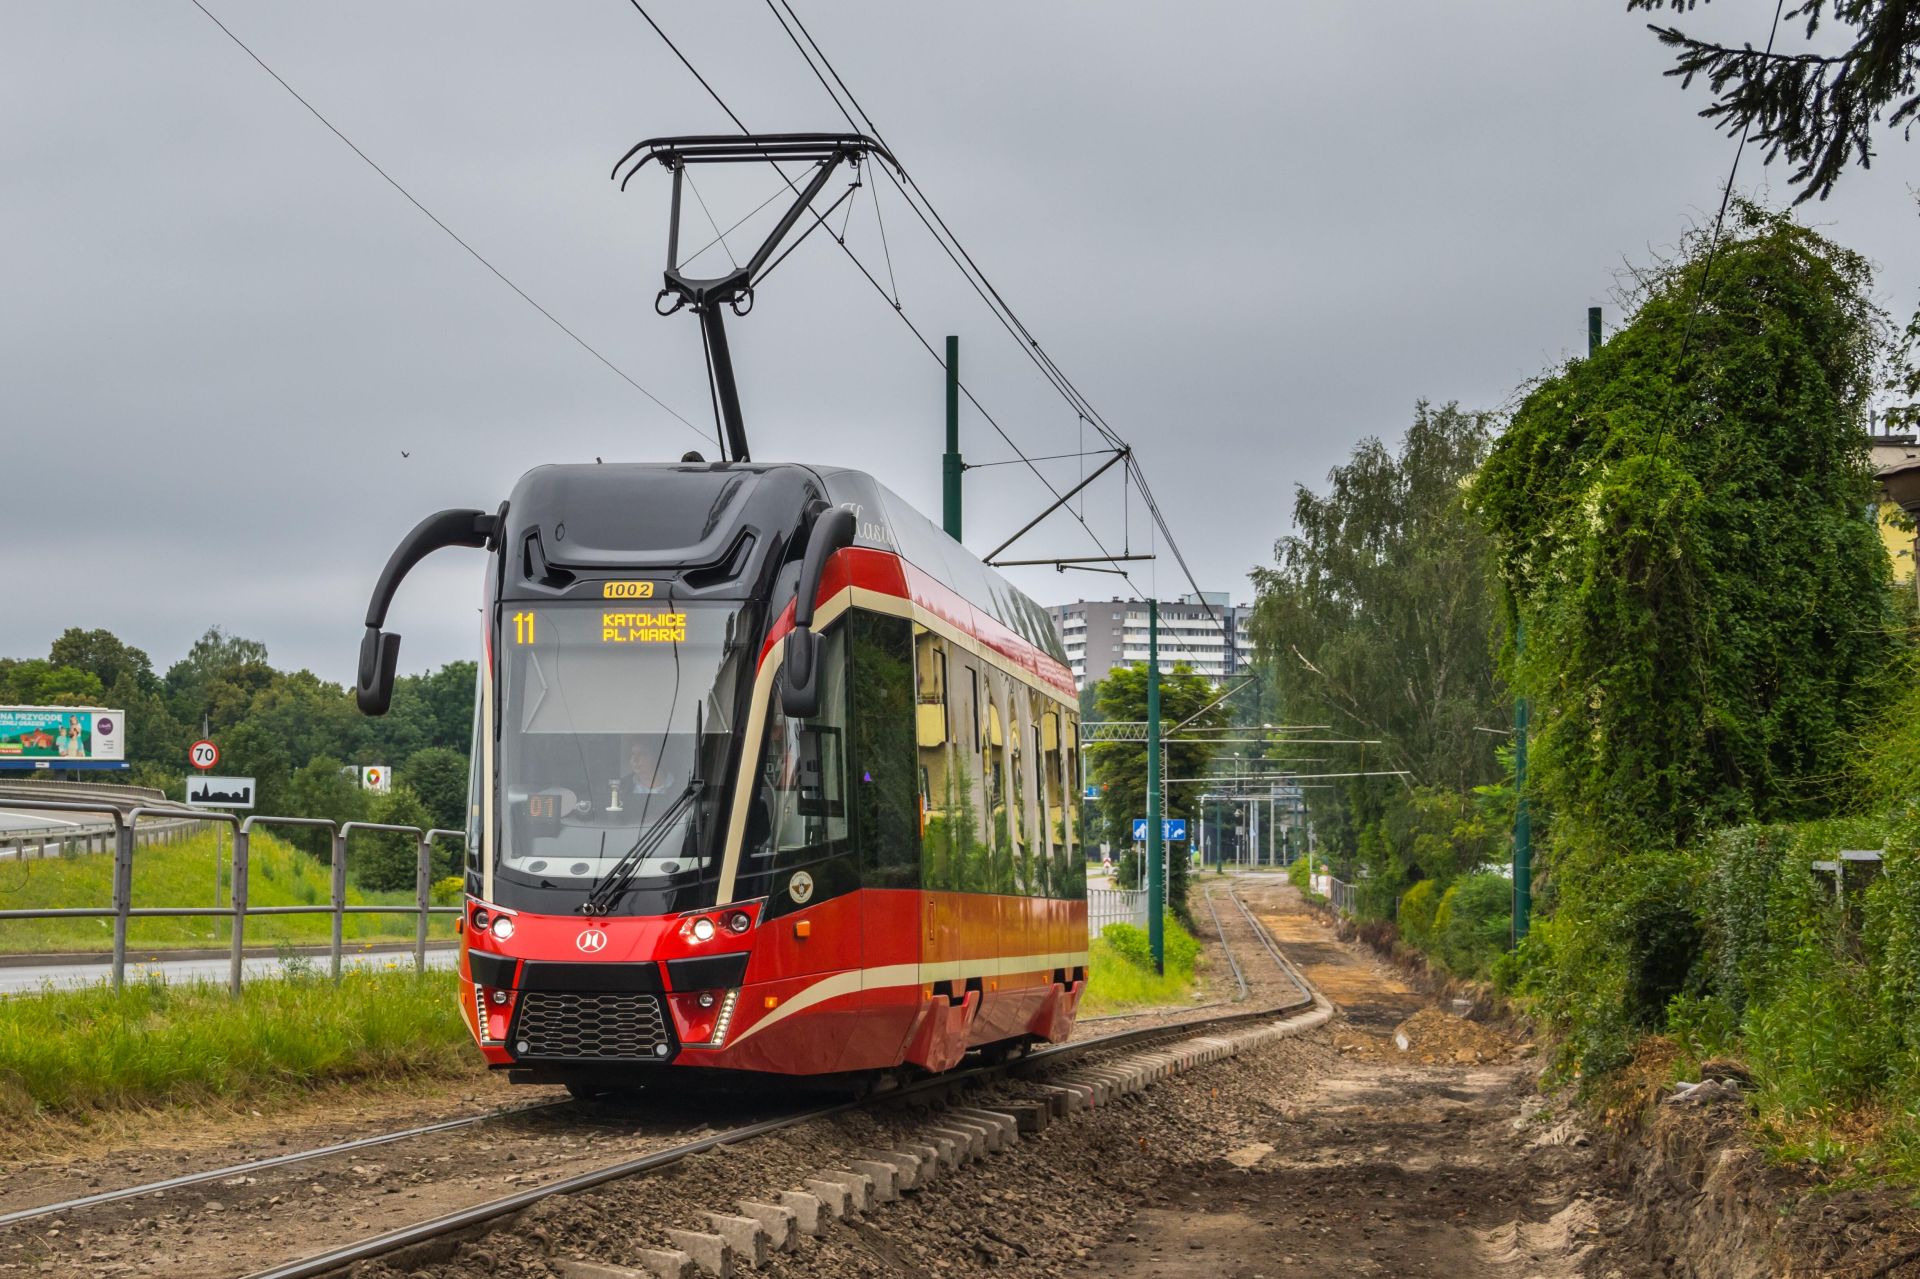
(1156, 844)
(203, 755)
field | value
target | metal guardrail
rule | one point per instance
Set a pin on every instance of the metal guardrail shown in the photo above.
(1342, 896)
(1115, 906)
(122, 910)
(100, 790)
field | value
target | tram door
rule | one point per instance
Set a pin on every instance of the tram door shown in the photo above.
(800, 855)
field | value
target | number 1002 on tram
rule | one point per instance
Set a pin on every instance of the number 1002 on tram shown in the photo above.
(769, 774)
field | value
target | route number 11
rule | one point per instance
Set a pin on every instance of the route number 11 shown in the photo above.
(523, 628)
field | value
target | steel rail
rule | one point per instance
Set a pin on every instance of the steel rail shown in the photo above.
(1298, 978)
(277, 1161)
(1213, 910)
(478, 1214)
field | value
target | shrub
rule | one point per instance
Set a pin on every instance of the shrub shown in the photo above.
(387, 862)
(1415, 916)
(1472, 923)
(1132, 945)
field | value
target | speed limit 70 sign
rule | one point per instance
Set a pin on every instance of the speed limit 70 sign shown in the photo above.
(203, 754)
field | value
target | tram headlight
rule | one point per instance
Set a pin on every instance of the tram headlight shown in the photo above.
(706, 999)
(703, 929)
(480, 917)
(502, 928)
(739, 921)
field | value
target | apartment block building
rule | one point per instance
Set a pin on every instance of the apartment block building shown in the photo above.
(1206, 631)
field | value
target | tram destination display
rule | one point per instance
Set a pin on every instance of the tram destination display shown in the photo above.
(47, 737)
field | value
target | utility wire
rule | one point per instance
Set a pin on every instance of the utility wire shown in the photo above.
(497, 272)
(998, 304)
(882, 291)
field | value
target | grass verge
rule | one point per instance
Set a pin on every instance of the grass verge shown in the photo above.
(183, 875)
(1120, 976)
(71, 1053)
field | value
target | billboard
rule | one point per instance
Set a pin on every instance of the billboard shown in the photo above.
(62, 737)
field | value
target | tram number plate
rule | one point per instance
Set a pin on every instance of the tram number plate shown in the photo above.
(626, 590)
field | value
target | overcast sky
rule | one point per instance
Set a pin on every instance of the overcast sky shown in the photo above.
(1252, 233)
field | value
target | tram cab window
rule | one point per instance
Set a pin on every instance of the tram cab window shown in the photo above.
(477, 780)
(607, 715)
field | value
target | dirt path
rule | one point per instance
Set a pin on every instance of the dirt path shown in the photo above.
(1439, 1159)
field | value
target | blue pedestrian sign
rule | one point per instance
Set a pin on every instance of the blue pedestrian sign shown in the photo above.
(1172, 829)
(1093, 792)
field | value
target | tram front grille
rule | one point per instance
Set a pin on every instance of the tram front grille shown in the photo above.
(601, 1026)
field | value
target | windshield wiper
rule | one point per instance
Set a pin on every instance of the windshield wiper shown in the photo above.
(607, 889)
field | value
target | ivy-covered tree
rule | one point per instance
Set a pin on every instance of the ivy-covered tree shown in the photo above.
(1682, 524)
(1819, 109)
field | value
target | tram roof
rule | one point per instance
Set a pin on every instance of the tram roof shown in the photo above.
(622, 514)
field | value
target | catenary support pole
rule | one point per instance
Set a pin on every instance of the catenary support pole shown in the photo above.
(952, 467)
(1156, 870)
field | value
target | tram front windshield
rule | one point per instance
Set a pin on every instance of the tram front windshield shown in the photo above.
(605, 709)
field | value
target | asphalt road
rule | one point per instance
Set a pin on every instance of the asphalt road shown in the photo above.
(14, 820)
(94, 970)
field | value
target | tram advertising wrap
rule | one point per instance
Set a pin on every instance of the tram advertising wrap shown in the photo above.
(62, 737)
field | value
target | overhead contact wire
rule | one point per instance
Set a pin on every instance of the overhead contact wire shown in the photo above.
(451, 233)
(1009, 319)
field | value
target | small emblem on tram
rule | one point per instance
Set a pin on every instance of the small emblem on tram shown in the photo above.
(800, 887)
(591, 940)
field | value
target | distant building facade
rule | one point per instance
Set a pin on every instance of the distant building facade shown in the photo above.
(1102, 634)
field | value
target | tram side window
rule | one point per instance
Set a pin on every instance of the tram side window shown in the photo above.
(800, 810)
(996, 832)
(1073, 883)
(885, 766)
(1044, 840)
(1020, 791)
(946, 815)
(969, 862)
(1059, 817)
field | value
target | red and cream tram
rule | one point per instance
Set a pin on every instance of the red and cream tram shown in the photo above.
(769, 775)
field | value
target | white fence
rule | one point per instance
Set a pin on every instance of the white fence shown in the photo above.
(1115, 906)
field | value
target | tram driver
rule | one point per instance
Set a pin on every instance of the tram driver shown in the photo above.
(649, 772)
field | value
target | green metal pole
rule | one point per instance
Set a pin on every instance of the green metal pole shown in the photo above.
(952, 467)
(1522, 819)
(1156, 872)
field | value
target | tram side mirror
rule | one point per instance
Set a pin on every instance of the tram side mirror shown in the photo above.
(380, 650)
(379, 659)
(800, 691)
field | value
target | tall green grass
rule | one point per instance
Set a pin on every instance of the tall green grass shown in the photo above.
(183, 875)
(1120, 974)
(154, 1044)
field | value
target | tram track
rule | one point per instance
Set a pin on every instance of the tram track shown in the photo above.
(937, 1088)
(546, 1146)
(251, 1167)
